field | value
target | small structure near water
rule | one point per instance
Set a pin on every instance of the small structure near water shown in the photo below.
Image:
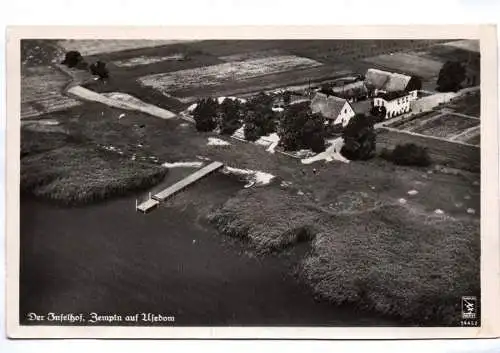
(161, 196)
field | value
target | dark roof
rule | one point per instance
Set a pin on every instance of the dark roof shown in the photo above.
(353, 89)
(329, 106)
(386, 81)
(389, 96)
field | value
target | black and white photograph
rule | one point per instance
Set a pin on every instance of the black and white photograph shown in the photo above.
(255, 182)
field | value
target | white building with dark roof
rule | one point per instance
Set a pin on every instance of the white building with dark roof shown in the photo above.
(395, 103)
(337, 110)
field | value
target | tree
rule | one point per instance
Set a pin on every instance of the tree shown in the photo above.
(313, 133)
(258, 111)
(408, 154)
(251, 130)
(359, 139)
(414, 84)
(72, 58)
(300, 128)
(451, 76)
(378, 113)
(99, 69)
(205, 114)
(287, 97)
(229, 116)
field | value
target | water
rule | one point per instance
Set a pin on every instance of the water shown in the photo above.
(109, 259)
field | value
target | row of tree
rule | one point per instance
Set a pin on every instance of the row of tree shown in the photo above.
(297, 126)
(73, 59)
(231, 114)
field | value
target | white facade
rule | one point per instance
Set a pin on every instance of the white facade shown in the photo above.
(345, 115)
(396, 106)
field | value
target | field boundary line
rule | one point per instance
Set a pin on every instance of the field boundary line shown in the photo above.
(465, 115)
(426, 136)
(465, 132)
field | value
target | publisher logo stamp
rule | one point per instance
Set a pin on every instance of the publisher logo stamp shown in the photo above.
(469, 308)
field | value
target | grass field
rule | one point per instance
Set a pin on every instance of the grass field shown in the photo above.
(475, 140)
(413, 122)
(70, 167)
(97, 46)
(467, 104)
(347, 227)
(443, 152)
(218, 74)
(446, 126)
(339, 58)
(42, 91)
(408, 63)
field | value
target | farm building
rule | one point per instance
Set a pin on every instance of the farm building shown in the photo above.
(352, 91)
(337, 110)
(294, 98)
(395, 103)
(385, 81)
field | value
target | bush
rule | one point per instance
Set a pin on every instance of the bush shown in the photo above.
(204, 114)
(360, 138)
(99, 69)
(408, 154)
(451, 76)
(82, 65)
(229, 116)
(251, 132)
(300, 128)
(72, 58)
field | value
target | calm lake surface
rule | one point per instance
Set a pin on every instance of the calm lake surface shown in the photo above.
(107, 258)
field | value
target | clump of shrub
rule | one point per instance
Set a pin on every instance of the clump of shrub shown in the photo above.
(359, 138)
(229, 117)
(301, 128)
(408, 154)
(380, 261)
(268, 218)
(99, 69)
(205, 114)
(80, 174)
(72, 59)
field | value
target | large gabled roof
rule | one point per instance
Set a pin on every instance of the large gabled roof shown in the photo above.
(386, 81)
(329, 106)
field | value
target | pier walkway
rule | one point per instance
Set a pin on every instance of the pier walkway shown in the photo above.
(155, 200)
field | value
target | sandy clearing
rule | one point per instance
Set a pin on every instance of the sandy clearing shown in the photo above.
(213, 141)
(330, 154)
(98, 46)
(147, 60)
(217, 74)
(252, 176)
(45, 125)
(122, 101)
(182, 164)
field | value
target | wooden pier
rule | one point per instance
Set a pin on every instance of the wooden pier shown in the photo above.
(155, 200)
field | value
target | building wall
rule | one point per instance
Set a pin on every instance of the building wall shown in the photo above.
(345, 115)
(428, 103)
(396, 106)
